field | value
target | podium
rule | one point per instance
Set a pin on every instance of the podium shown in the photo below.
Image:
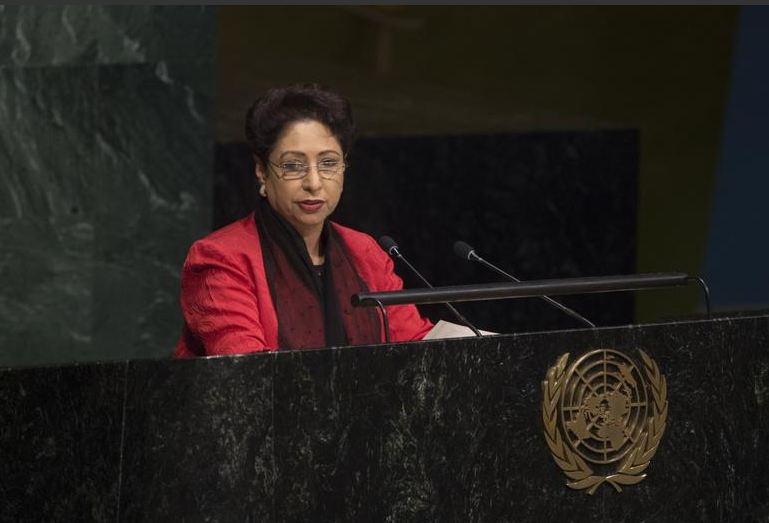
(427, 431)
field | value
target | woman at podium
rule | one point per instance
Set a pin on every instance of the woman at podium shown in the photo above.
(282, 277)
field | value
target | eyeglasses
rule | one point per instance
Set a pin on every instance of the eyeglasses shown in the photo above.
(328, 169)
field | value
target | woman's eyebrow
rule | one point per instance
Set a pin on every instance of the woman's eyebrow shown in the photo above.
(298, 153)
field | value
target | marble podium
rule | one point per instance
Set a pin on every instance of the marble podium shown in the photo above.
(429, 431)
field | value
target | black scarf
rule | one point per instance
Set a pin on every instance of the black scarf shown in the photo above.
(312, 312)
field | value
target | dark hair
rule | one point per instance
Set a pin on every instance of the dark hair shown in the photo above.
(278, 107)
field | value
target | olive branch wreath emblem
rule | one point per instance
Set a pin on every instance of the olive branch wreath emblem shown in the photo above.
(631, 470)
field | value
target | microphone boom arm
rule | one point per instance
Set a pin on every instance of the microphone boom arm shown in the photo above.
(389, 245)
(558, 305)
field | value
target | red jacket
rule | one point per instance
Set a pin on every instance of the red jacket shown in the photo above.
(227, 305)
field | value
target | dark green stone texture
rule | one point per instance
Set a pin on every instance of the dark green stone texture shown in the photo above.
(105, 161)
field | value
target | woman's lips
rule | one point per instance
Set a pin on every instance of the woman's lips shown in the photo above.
(311, 205)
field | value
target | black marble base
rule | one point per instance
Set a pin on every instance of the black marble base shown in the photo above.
(429, 431)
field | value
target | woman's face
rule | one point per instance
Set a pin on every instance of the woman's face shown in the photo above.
(305, 203)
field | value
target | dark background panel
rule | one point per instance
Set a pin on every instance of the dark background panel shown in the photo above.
(446, 70)
(540, 205)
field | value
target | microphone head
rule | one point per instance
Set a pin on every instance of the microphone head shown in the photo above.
(388, 244)
(463, 250)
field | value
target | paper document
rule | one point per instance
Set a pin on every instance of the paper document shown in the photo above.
(446, 329)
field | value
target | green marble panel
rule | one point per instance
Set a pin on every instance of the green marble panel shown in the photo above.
(105, 176)
(36, 35)
(155, 148)
(46, 211)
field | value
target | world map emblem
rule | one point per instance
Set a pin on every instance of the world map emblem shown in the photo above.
(604, 417)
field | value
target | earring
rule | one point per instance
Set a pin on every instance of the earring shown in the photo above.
(263, 190)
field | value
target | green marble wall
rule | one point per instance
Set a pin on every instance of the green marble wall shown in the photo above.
(105, 162)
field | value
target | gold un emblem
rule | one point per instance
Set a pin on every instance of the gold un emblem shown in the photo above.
(604, 417)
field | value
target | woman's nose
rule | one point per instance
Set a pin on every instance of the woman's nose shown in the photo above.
(313, 180)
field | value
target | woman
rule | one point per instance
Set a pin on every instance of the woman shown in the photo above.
(282, 277)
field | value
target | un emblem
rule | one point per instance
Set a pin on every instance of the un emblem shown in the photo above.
(604, 417)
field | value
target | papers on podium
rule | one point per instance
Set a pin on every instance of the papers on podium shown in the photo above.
(446, 329)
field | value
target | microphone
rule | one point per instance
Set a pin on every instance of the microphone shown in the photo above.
(466, 252)
(391, 248)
